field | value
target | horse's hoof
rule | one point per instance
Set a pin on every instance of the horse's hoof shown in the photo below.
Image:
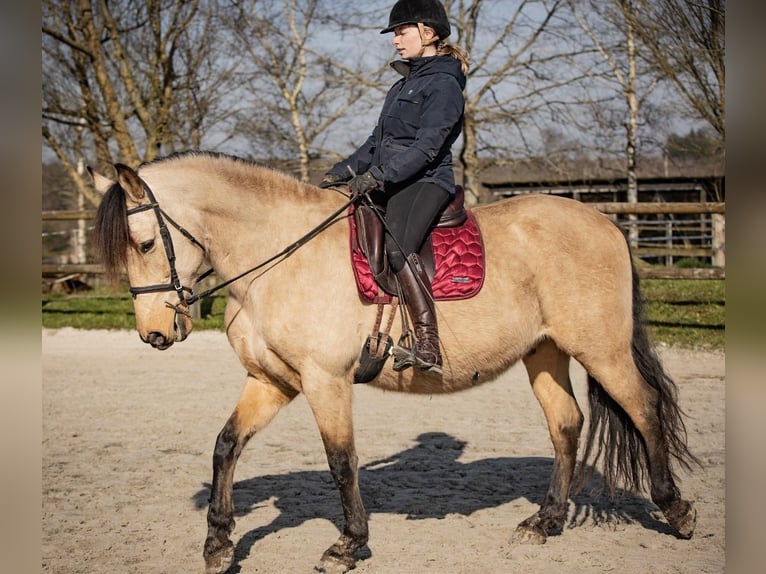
(335, 564)
(682, 517)
(529, 535)
(329, 567)
(220, 561)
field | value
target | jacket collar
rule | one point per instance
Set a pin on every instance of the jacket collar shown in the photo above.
(430, 65)
(402, 67)
(413, 65)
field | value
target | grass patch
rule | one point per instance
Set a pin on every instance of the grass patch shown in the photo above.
(688, 313)
(105, 308)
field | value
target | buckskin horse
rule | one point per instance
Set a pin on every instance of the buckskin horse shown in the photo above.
(560, 283)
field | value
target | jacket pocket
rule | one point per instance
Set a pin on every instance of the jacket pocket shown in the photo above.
(407, 108)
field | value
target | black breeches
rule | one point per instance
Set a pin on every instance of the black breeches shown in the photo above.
(410, 214)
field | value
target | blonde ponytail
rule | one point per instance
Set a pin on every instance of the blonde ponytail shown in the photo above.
(444, 48)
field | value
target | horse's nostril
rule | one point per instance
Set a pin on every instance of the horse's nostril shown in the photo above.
(157, 340)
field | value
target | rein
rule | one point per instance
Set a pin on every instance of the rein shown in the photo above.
(284, 254)
(167, 241)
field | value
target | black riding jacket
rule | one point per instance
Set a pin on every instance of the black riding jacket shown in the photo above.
(421, 118)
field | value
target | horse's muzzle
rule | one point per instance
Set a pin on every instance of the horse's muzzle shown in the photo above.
(159, 341)
(182, 326)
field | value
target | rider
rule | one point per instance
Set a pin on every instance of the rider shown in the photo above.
(408, 160)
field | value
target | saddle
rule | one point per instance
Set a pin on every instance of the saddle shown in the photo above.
(453, 254)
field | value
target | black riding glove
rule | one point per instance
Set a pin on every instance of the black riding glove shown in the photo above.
(332, 180)
(363, 184)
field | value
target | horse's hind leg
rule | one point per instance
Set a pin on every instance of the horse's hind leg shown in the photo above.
(331, 404)
(548, 369)
(647, 395)
(259, 403)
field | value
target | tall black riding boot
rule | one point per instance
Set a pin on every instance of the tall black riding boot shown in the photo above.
(416, 288)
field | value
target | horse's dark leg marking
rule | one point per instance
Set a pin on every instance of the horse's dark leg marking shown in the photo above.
(219, 549)
(331, 405)
(343, 466)
(259, 403)
(679, 513)
(548, 370)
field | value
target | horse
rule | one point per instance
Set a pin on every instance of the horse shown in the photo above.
(560, 284)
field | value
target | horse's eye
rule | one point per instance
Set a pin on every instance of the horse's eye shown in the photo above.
(146, 246)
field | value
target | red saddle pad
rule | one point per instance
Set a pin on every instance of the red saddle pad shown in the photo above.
(458, 262)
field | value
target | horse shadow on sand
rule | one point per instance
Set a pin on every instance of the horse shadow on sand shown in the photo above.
(425, 481)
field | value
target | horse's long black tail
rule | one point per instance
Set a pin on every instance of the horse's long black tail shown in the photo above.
(612, 438)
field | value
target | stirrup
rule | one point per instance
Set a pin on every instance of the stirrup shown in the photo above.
(405, 358)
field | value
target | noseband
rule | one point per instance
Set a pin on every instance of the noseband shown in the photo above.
(167, 242)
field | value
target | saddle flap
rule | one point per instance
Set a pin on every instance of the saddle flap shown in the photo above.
(369, 235)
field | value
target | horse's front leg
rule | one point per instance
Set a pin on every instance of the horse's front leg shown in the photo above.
(332, 411)
(259, 402)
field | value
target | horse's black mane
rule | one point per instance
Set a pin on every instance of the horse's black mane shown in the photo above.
(110, 231)
(110, 235)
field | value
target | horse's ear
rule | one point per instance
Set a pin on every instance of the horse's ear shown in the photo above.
(100, 182)
(130, 182)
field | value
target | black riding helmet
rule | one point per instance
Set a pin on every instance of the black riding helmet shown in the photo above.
(428, 12)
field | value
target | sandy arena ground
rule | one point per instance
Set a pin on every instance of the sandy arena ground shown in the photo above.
(128, 434)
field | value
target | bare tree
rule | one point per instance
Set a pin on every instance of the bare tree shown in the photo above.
(125, 80)
(687, 43)
(611, 27)
(298, 85)
(517, 80)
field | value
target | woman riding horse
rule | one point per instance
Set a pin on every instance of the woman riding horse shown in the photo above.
(407, 164)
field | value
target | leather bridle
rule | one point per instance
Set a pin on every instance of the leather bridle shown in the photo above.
(167, 242)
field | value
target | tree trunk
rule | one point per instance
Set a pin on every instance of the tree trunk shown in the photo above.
(475, 193)
(632, 132)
